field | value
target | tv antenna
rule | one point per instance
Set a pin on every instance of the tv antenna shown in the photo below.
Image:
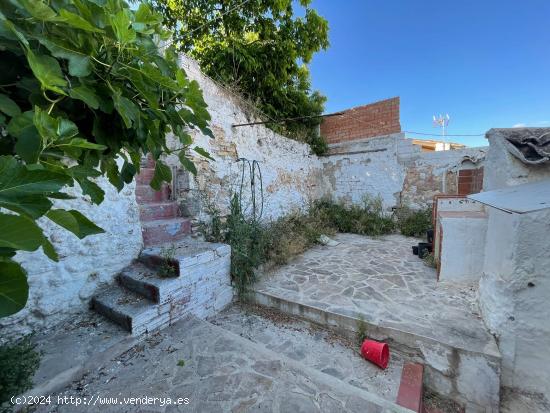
(442, 122)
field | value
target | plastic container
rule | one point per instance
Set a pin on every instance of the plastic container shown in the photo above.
(376, 352)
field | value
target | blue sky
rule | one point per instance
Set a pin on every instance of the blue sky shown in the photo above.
(485, 62)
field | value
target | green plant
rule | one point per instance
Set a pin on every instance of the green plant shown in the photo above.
(261, 48)
(367, 219)
(18, 363)
(414, 223)
(84, 92)
(361, 333)
(168, 266)
(181, 363)
(318, 144)
(429, 260)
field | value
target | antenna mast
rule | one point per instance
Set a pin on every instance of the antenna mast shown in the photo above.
(442, 122)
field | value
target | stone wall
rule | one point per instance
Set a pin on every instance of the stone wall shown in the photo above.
(57, 289)
(396, 170)
(433, 173)
(376, 119)
(291, 175)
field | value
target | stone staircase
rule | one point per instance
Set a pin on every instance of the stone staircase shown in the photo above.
(174, 276)
(144, 301)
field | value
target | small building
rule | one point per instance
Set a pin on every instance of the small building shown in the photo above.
(431, 145)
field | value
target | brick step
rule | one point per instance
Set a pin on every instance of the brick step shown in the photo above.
(158, 210)
(146, 194)
(165, 230)
(411, 387)
(145, 175)
(147, 162)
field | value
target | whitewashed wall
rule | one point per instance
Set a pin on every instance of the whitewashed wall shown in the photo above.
(58, 289)
(291, 174)
(515, 285)
(396, 170)
(367, 168)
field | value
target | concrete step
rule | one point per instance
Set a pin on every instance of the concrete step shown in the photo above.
(158, 210)
(314, 346)
(147, 162)
(451, 370)
(165, 230)
(223, 372)
(379, 283)
(130, 310)
(146, 194)
(143, 301)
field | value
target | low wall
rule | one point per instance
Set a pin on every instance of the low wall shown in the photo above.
(57, 289)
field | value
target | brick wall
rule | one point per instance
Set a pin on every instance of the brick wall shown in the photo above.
(470, 181)
(377, 119)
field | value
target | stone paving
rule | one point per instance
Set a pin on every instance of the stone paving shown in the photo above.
(217, 371)
(313, 346)
(380, 280)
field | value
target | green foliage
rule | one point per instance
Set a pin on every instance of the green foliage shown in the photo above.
(318, 144)
(84, 92)
(168, 267)
(248, 244)
(295, 233)
(254, 243)
(260, 48)
(414, 223)
(367, 219)
(361, 333)
(18, 363)
(429, 260)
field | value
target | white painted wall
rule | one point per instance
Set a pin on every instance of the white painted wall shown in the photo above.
(518, 253)
(503, 169)
(463, 239)
(515, 285)
(292, 175)
(59, 289)
(367, 168)
(392, 167)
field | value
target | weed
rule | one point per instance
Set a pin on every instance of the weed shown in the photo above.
(361, 333)
(429, 260)
(254, 243)
(18, 363)
(414, 223)
(181, 363)
(367, 219)
(168, 266)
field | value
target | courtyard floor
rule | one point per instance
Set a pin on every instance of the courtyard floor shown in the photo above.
(380, 280)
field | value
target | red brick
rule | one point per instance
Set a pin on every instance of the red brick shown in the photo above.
(376, 119)
(410, 390)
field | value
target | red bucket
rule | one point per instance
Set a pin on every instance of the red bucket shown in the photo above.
(378, 353)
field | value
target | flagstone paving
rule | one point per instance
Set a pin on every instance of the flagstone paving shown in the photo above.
(217, 371)
(313, 346)
(380, 280)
